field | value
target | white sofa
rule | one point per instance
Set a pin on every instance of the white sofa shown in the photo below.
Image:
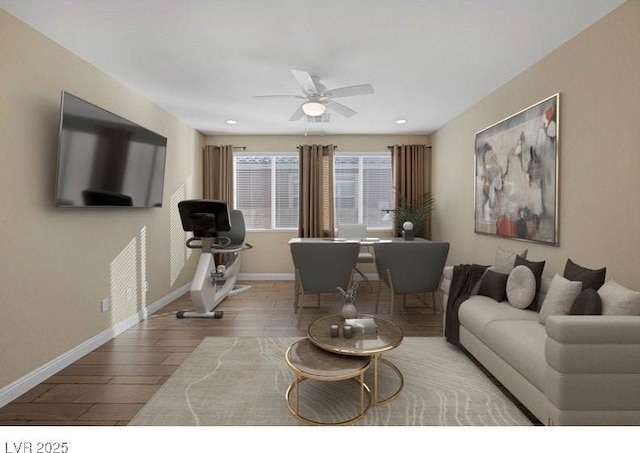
(573, 370)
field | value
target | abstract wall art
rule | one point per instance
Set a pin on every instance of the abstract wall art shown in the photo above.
(516, 175)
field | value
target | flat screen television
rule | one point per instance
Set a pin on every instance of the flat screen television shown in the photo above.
(106, 160)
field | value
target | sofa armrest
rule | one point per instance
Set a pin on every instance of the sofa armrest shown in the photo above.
(593, 364)
(594, 329)
(445, 285)
(593, 344)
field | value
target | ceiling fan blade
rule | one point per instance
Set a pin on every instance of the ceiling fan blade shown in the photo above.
(355, 90)
(340, 108)
(305, 80)
(279, 96)
(297, 114)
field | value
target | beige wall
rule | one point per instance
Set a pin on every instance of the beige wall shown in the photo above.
(57, 264)
(598, 77)
(271, 253)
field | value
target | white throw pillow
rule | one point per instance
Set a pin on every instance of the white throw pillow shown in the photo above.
(560, 297)
(521, 287)
(619, 300)
(506, 260)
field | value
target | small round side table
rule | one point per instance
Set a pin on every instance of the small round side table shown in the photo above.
(311, 362)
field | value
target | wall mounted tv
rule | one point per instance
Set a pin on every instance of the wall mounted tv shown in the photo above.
(106, 160)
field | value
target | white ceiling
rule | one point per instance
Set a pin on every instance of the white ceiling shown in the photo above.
(203, 60)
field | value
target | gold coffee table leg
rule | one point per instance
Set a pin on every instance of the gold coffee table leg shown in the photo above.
(376, 359)
(297, 382)
(375, 379)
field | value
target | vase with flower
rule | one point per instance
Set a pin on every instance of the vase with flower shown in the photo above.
(349, 310)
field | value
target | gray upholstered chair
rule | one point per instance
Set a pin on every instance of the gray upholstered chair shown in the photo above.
(321, 267)
(357, 231)
(408, 267)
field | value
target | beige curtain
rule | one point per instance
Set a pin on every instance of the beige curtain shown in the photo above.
(217, 179)
(411, 166)
(316, 191)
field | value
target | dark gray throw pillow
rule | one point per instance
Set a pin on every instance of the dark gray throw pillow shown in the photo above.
(590, 278)
(588, 302)
(494, 285)
(536, 267)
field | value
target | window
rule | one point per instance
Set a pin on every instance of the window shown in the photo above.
(266, 189)
(362, 188)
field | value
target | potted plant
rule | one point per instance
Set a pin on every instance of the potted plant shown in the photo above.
(417, 211)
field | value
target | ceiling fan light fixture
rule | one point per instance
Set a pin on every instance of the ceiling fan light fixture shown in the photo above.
(313, 108)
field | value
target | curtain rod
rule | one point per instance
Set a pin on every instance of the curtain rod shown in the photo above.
(243, 148)
(393, 146)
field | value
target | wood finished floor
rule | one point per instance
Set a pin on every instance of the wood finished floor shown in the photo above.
(110, 385)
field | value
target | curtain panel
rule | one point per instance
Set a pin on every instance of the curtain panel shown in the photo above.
(411, 167)
(217, 178)
(316, 217)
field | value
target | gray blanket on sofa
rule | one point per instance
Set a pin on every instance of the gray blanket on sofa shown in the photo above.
(465, 277)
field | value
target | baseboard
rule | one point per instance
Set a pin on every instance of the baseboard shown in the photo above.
(283, 276)
(37, 376)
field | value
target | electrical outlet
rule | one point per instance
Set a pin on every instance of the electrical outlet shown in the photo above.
(145, 286)
(104, 305)
(129, 294)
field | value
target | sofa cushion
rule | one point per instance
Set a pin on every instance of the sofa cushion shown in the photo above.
(587, 303)
(590, 278)
(505, 260)
(537, 267)
(521, 287)
(494, 285)
(619, 300)
(521, 344)
(560, 297)
(478, 311)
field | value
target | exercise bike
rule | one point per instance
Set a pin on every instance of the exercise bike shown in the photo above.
(220, 234)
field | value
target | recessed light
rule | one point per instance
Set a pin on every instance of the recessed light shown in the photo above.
(231, 122)
(401, 121)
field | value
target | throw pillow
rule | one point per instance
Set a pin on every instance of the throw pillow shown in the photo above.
(506, 260)
(521, 287)
(587, 303)
(559, 298)
(494, 285)
(590, 278)
(619, 300)
(536, 267)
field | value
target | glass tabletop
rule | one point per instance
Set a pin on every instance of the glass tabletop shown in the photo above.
(387, 337)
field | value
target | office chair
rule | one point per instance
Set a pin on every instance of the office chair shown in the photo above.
(410, 268)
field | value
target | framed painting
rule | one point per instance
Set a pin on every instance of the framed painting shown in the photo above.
(516, 175)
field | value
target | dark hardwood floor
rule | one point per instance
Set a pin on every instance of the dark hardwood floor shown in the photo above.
(111, 384)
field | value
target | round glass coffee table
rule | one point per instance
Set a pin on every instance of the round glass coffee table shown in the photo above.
(388, 336)
(311, 362)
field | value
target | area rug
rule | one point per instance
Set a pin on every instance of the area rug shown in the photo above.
(239, 381)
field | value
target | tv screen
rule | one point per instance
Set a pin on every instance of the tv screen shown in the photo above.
(106, 160)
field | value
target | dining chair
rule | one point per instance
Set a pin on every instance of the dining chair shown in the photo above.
(410, 268)
(357, 231)
(320, 268)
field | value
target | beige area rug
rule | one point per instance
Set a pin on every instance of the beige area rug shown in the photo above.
(229, 381)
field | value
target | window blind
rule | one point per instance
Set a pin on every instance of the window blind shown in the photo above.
(266, 189)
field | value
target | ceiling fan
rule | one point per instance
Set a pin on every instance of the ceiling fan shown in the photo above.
(318, 98)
